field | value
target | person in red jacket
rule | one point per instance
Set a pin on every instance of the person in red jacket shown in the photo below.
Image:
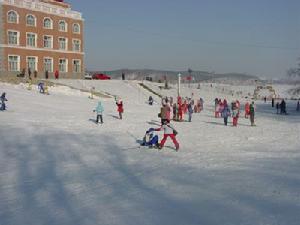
(169, 131)
(247, 110)
(56, 74)
(120, 108)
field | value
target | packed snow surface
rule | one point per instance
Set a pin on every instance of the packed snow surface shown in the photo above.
(58, 167)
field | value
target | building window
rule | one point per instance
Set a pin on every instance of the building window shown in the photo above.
(12, 17)
(14, 63)
(62, 26)
(62, 43)
(32, 63)
(76, 45)
(76, 66)
(48, 65)
(30, 20)
(76, 28)
(48, 42)
(48, 23)
(31, 39)
(63, 65)
(13, 37)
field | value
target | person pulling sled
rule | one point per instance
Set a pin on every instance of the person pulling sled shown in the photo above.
(169, 131)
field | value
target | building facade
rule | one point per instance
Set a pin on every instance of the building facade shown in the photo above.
(41, 35)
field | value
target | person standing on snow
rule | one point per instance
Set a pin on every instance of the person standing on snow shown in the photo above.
(235, 115)
(247, 110)
(120, 108)
(283, 107)
(3, 100)
(169, 131)
(252, 114)
(277, 107)
(190, 111)
(99, 110)
(150, 100)
(298, 106)
(225, 112)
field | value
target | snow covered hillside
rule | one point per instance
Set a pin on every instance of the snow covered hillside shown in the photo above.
(57, 167)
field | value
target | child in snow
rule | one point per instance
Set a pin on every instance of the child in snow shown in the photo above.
(235, 115)
(3, 100)
(120, 108)
(247, 110)
(225, 113)
(150, 139)
(99, 110)
(169, 131)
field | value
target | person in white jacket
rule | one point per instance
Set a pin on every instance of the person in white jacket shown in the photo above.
(169, 131)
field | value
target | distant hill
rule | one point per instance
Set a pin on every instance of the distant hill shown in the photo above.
(158, 75)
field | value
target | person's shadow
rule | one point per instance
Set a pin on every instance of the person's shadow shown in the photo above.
(113, 116)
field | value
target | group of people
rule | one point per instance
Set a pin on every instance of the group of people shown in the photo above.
(223, 110)
(100, 109)
(183, 106)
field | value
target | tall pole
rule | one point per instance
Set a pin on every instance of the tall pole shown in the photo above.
(179, 82)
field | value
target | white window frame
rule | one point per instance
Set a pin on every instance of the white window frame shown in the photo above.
(18, 63)
(51, 23)
(80, 70)
(66, 26)
(17, 14)
(66, 48)
(35, 44)
(36, 62)
(51, 41)
(51, 64)
(66, 65)
(76, 32)
(73, 49)
(18, 37)
(34, 20)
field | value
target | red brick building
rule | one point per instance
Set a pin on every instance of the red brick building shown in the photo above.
(41, 35)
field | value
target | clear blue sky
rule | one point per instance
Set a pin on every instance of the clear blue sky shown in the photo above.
(260, 37)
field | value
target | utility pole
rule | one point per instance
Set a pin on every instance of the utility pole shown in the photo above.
(179, 82)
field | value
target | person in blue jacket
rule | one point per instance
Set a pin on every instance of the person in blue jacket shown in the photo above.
(99, 110)
(3, 100)
(225, 113)
(150, 139)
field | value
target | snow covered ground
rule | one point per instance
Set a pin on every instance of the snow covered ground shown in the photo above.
(58, 167)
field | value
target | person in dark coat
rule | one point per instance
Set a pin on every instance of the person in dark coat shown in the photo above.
(273, 102)
(46, 74)
(252, 114)
(298, 106)
(29, 73)
(150, 100)
(277, 107)
(283, 107)
(3, 100)
(35, 74)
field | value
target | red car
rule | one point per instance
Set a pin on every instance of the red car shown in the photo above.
(100, 76)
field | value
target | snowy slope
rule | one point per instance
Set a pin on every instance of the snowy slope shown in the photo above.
(58, 167)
